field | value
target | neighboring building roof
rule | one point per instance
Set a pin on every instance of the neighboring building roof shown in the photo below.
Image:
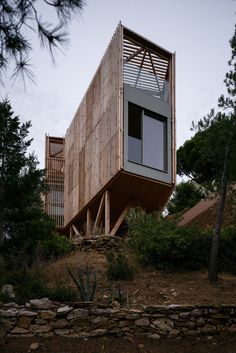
(203, 214)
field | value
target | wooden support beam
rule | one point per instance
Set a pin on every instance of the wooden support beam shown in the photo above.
(75, 229)
(99, 214)
(120, 220)
(88, 224)
(107, 212)
(71, 233)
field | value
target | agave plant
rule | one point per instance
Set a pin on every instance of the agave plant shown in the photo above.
(86, 286)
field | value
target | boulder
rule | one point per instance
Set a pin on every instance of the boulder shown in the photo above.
(8, 290)
(40, 304)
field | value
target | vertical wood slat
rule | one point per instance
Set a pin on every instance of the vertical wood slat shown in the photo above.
(107, 212)
(88, 224)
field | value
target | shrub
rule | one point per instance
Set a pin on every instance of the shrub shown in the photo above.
(118, 266)
(27, 285)
(227, 252)
(159, 242)
(62, 293)
(54, 246)
(4, 298)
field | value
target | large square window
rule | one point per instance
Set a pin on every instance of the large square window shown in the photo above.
(146, 138)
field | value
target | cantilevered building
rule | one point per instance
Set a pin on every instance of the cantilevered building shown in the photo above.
(119, 150)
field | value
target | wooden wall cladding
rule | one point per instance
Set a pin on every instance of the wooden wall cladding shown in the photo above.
(92, 142)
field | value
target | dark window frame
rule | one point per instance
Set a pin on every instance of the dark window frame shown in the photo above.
(143, 111)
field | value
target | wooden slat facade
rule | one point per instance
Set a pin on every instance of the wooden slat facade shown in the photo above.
(92, 155)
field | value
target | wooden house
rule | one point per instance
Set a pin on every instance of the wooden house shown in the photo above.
(119, 150)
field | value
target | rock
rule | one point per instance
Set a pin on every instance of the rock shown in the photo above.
(208, 329)
(34, 346)
(185, 323)
(164, 324)
(104, 311)
(98, 320)
(8, 290)
(232, 329)
(19, 331)
(24, 322)
(40, 328)
(153, 309)
(41, 322)
(75, 314)
(98, 332)
(144, 321)
(132, 316)
(200, 322)
(27, 313)
(124, 323)
(5, 327)
(43, 303)
(174, 333)
(9, 313)
(154, 336)
(11, 305)
(220, 316)
(62, 332)
(196, 313)
(64, 310)
(174, 306)
(184, 315)
(47, 314)
(59, 324)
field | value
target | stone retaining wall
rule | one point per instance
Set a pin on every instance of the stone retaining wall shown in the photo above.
(41, 317)
(100, 243)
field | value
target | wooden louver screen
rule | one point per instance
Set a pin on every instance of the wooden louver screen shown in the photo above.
(145, 70)
(54, 198)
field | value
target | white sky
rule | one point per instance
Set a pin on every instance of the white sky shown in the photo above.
(197, 30)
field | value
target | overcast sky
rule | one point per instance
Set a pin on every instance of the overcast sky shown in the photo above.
(197, 30)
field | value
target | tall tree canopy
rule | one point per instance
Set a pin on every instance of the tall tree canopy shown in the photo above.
(210, 156)
(19, 16)
(22, 219)
(202, 157)
(186, 195)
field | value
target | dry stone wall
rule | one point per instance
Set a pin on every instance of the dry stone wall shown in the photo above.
(41, 317)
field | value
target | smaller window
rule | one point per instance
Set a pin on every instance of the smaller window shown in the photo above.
(147, 138)
(135, 134)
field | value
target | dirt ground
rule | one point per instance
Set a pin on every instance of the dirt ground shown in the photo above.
(149, 286)
(219, 344)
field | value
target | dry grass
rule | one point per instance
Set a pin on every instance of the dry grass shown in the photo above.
(150, 286)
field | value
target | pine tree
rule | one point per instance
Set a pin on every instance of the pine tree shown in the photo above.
(23, 222)
(17, 18)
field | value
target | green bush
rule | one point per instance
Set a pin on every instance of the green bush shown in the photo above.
(62, 293)
(227, 251)
(27, 285)
(4, 298)
(118, 266)
(159, 242)
(54, 246)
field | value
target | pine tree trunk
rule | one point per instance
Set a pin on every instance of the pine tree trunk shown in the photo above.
(213, 267)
